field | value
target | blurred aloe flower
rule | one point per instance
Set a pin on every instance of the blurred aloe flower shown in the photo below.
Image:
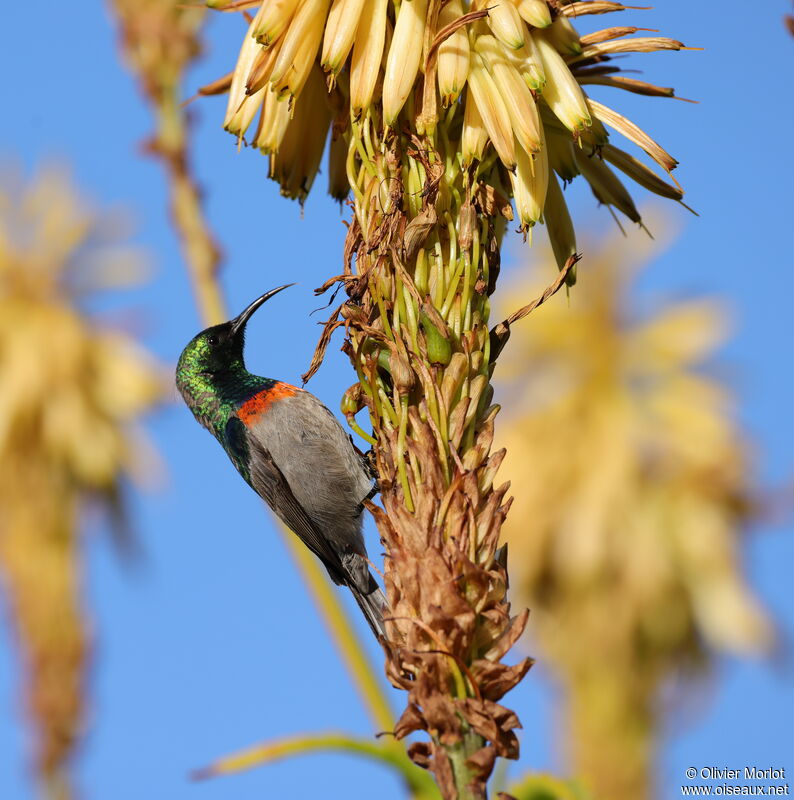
(633, 493)
(70, 395)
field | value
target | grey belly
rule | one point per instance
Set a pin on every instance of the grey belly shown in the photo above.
(323, 470)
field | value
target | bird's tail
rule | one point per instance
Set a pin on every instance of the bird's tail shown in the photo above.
(373, 605)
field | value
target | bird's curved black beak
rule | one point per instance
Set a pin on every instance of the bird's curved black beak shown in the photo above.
(239, 322)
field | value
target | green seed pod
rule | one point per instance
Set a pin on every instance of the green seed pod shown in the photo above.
(351, 402)
(439, 347)
(383, 361)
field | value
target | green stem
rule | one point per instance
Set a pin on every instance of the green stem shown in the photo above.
(409, 503)
(464, 775)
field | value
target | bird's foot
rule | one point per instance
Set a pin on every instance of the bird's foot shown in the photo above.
(368, 459)
(371, 466)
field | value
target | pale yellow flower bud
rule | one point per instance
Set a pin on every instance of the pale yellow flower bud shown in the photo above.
(530, 183)
(506, 24)
(340, 30)
(239, 122)
(293, 80)
(367, 55)
(272, 20)
(305, 28)
(405, 54)
(562, 93)
(474, 138)
(528, 62)
(259, 75)
(453, 55)
(493, 111)
(515, 93)
(535, 12)
(248, 55)
(273, 123)
(563, 36)
(297, 160)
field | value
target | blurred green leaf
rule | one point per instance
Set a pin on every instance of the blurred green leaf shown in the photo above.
(539, 786)
(419, 782)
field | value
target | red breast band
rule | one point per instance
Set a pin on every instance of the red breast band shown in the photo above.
(255, 406)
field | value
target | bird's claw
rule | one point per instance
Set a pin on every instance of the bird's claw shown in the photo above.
(368, 459)
(371, 466)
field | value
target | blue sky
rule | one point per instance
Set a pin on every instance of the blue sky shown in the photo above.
(193, 643)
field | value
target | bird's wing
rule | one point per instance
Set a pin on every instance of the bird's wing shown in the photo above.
(270, 484)
(326, 474)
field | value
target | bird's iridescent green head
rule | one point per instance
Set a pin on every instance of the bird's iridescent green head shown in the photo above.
(216, 353)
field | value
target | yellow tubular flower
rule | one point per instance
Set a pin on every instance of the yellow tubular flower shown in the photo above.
(506, 24)
(272, 20)
(405, 54)
(562, 93)
(535, 12)
(474, 138)
(259, 76)
(367, 55)
(530, 183)
(564, 36)
(273, 123)
(244, 116)
(245, 61)
(529, 64)
(493, 111)
(307, 24)
(560, 227)
(297, 160)
(292, 82)
(340, 30)
(515, 93)
(453, 55)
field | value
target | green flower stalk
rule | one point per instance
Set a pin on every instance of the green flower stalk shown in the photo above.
(160, 40)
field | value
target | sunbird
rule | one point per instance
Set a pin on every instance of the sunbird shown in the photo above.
(290, 449)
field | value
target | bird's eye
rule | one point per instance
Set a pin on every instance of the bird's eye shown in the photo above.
(213, 340)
